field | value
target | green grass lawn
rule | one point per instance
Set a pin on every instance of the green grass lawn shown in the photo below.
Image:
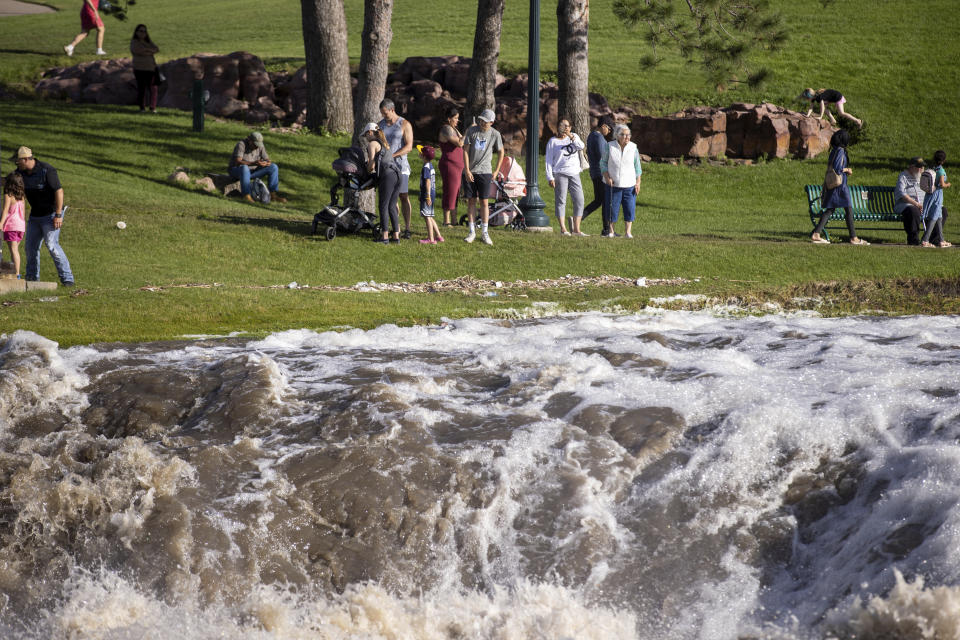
(740, 229)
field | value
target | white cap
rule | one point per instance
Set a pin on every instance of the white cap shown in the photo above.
(371, 126)
(487, 115)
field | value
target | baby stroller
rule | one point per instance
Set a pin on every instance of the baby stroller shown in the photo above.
(352, 177)
(505, 191)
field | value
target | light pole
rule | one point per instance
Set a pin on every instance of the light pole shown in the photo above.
(532, 204)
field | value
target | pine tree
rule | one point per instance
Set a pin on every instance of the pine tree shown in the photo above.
(719, 34)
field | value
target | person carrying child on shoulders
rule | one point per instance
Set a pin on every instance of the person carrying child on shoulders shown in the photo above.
(428, 195)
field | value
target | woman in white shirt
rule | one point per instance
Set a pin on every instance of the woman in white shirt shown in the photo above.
(621, 173)
(563, 174)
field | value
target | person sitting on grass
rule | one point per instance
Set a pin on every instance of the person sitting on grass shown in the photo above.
(250, 161)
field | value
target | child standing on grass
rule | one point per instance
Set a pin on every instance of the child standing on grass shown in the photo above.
(428, 195)
(933, 202)
(12, 221)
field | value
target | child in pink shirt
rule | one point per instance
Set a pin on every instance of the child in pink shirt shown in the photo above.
(12, 221)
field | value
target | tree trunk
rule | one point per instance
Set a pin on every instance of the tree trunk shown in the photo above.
(374, 55)
(329, 99)
(483, 66)
(573, 17)
(372, 78)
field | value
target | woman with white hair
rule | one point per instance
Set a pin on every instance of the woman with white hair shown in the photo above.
(621, 175)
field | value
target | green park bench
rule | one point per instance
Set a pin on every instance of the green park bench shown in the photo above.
(870, 204)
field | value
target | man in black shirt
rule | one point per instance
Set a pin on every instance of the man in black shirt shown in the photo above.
(45, 196)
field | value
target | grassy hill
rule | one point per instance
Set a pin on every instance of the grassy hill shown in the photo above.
(740, 230)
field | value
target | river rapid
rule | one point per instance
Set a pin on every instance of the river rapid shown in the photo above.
(662, 475)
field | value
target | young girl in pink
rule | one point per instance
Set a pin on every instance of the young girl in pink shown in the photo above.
(11, 221)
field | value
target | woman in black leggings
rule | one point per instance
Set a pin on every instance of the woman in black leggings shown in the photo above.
(839, 196)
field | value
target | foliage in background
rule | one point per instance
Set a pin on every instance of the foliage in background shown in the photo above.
(717, 34)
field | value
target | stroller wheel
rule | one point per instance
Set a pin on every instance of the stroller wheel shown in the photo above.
(331, 233)
(316, 224)
(463, 220)
(376, 230)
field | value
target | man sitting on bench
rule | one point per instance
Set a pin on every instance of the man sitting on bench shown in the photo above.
(909, 203)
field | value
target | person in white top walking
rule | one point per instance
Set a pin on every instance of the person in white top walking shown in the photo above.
(563, 174)
(621, 175)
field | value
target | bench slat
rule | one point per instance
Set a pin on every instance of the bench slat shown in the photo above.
(869, 204)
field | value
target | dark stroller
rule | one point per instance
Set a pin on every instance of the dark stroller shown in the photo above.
(505, 193)
(352, 177)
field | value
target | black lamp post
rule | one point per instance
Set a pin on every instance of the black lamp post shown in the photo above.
(532, 204)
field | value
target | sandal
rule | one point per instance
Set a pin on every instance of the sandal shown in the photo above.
(860, 242)
(926, 244)
(945, 244)
(820, 241)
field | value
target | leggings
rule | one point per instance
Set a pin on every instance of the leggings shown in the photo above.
(147, 82)
(389, 194)
(599, 202)
(826, 216)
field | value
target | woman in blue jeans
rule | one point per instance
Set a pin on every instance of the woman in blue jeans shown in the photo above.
(621, 175)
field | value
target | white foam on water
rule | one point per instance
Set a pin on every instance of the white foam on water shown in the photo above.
(765, 403)
(105, 605)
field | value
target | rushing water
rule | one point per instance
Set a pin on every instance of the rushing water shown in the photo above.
(664, 475)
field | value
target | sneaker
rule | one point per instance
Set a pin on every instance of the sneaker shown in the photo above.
(630, 235)
(68, 49)
(275, 196)
(248, 198)
(381, 241)
(565, 233)
(486, 239)
(101, 52)
(582, 234)
(406, 234)
(470, 237)
(68, 284)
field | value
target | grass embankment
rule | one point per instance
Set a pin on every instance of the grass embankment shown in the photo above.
(740, 229)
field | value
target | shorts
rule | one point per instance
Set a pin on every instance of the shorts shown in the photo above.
(404, 183)
(426, 210)
(480, 187)
(12, 236)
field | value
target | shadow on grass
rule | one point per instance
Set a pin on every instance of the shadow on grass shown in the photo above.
(45, 54)
(293, 227)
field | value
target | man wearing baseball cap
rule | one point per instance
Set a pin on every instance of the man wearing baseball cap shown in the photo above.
(249, 162)
(480, 142)
(908, 203)
(45, 195)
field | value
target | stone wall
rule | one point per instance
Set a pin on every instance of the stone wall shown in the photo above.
(424, 87)
(738, 131)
